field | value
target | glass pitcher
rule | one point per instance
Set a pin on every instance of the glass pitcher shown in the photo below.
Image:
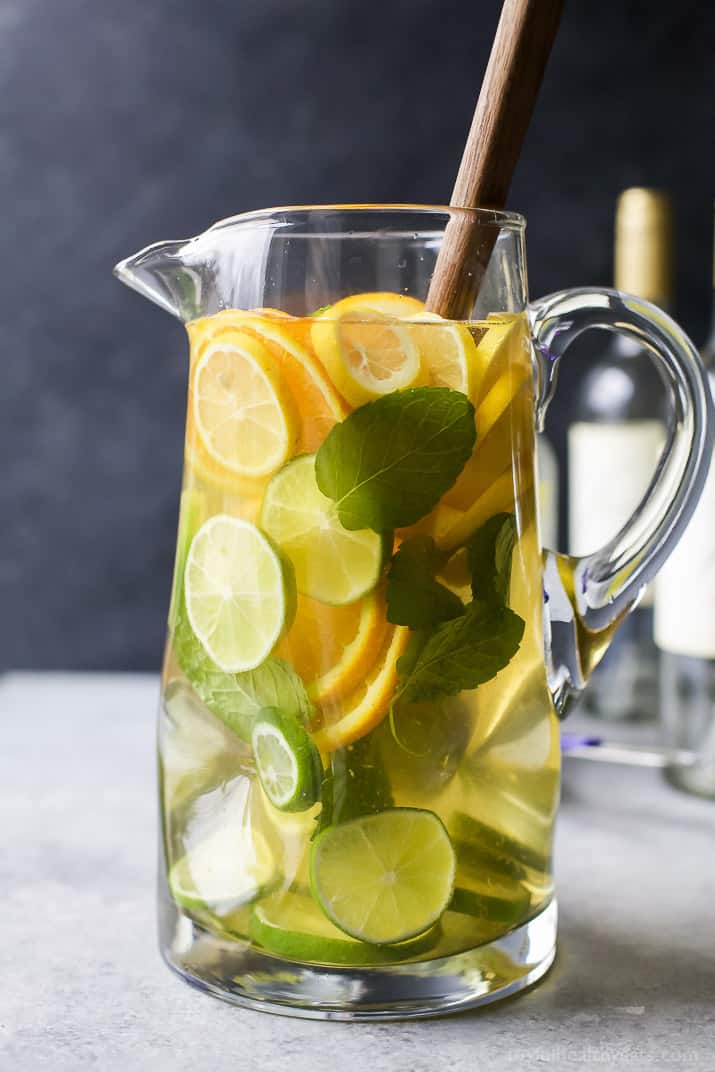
(368, 649)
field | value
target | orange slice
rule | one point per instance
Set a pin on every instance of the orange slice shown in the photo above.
(346, 721)
(333, 648)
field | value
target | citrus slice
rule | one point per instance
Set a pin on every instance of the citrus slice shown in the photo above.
(500, 397)
(268, 310)
(521, 824)
(447, 350)
(366, 350)
(230, 867)
(243, 413)
(451, 528)
(346, 720)
(384, 878)
(332, 564)
(192, 513)
(494, 449)
(239, 592)
(497, 341)
(493, 901)
(332, 648)
(292, 925)
(318, 404)
(287, 761)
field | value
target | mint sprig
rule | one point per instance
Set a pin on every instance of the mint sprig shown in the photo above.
(463, 653)
(414, 596)
(237, 698)
(489, 555)
(473, 646)
(389, 463)
(355, 783)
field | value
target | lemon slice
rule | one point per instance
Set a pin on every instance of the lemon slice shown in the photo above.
(349, 719)
(244, 415)
(506, 437)
(501, 396)
(447, 350)
(239, 592)
(498, 341)
(333, 648)
(384, 878)
(332, 564)
(452, 528)
(366, 348)
(317, 403)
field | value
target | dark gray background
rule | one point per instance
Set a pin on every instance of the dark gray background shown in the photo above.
(127, 121)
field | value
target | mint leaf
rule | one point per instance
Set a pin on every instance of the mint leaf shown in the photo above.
(462, 653)
(237, 698)
(414, 597)
(192, 509)
(406, 663)
(489, 554)
(355, 783)
(390, 461)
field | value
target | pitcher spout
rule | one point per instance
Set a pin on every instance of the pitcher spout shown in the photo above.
(161, 273)
(226, 267)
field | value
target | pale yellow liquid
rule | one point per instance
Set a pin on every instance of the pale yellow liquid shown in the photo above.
(486, 762)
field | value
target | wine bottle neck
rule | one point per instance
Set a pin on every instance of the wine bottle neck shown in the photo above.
(643, 248)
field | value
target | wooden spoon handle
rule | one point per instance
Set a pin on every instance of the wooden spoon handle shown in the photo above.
(523, 41)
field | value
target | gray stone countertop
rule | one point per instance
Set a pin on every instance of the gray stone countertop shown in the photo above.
(83, 986)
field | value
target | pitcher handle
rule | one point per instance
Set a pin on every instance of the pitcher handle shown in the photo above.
(587, 597)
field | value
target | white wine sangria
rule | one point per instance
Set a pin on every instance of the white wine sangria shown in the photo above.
(368, 650)
(359, 755)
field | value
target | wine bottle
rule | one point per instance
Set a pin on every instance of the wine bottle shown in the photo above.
(685, 632)
(619, 413)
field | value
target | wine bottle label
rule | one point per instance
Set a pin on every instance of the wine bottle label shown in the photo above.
(548, 494)
(610, 468)
(685, 586)
(548, 513)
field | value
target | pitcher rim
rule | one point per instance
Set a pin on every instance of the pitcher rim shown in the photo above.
(489, 216)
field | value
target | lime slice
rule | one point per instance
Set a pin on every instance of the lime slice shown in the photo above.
(292, 925)
(227, 869)
(192, 512)
(493, 902)
(486, 849)
(332, 564)
(384, 878)
(287, 761)
(240, 593)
